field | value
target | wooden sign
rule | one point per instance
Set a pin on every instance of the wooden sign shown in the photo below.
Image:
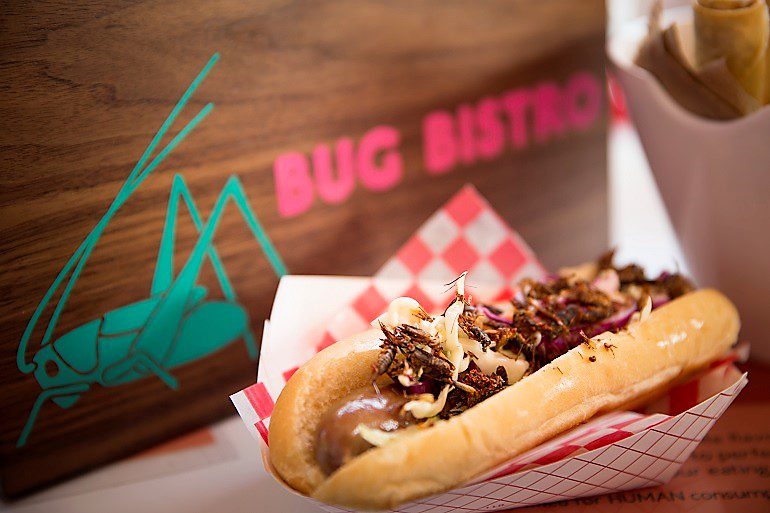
(165, 162)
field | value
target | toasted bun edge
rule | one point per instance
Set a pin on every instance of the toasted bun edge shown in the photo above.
(674, 341)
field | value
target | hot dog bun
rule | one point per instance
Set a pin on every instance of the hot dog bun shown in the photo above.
(674, 341)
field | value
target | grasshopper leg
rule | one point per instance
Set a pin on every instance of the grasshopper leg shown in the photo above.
(141, 362)
(151, 365)
(45, 395)
(251, 344)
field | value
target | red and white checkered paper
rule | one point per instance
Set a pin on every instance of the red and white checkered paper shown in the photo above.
(616, 451)
(466, 234)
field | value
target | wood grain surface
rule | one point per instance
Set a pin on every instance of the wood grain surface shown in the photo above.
(85, 85)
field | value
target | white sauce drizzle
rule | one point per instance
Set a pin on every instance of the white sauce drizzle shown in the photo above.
(456, 344)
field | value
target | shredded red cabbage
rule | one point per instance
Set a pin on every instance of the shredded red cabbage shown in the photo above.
(421, 387)
(489, 314)
(617, 321)
(564, 343)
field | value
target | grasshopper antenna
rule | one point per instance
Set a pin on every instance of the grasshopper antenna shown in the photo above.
(81, 255)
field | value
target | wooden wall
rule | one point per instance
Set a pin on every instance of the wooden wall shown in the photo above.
(86, 85)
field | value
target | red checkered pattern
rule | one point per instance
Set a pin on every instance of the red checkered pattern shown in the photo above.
(370, 304)
(508, 257)
(464, 235)
(415, 255)
(260, 407)
(260, 400)
(465, 206)
(602, 431)
(416, 293)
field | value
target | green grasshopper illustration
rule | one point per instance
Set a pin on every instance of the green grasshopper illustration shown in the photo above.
(174, 326)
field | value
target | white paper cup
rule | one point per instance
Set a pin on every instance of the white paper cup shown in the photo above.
(714, 177)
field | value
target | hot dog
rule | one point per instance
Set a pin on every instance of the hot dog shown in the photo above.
(422, 403)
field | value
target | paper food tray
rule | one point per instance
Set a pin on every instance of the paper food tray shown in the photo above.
(613, 452)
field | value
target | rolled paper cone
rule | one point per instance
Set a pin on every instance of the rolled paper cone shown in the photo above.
(725, 85)
(715, 75)
(712, 92)
(738, 32)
